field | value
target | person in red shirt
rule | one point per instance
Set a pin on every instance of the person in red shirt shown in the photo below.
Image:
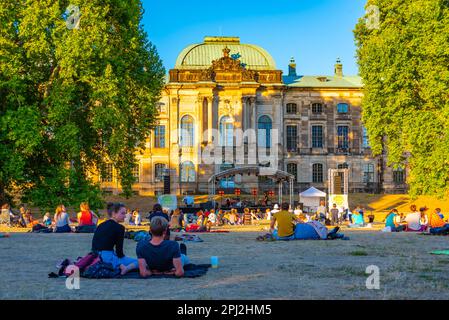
(86, 217)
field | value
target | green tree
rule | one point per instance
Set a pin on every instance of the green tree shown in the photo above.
(404, 64)
(73, 97)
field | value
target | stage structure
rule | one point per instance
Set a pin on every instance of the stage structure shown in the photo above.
(277, 175)
(338, 186)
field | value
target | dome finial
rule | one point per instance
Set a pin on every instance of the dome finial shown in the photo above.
(226, 51)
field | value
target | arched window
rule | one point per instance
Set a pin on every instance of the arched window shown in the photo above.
(188, 173)
(292, 168)
(317, 173)
(186, 136)
(264, 127)
(226, 131)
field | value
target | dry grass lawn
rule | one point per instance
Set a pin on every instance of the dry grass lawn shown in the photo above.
(248, 269)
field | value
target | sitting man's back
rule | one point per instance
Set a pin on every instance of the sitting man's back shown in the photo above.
(284, 220)
(159, 255)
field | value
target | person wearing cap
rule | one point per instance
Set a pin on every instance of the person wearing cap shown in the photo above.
(437, 225)
(275, 210)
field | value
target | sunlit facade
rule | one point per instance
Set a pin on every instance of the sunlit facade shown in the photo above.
(221, 87)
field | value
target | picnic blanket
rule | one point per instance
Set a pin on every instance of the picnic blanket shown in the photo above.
(190, 271)
(440, 252)
(432, 234)
(188, 238)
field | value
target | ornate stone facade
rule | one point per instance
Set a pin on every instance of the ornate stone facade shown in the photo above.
(317, 120)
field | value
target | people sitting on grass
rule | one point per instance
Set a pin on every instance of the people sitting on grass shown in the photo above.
(28, 219)
(233, 219)
(212, 220)
(412, 219)
(285, 223)
(47, 220)
(393, 221)
(160, 256)
(437, 224)
(7, 216)
(108, 240)
(62, 222)
(247, 217)
(438, 211)
(424, 220)
(87, 219)
(175, 220)
(357, 218)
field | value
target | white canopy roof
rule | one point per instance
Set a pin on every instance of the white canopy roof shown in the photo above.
(313, 192)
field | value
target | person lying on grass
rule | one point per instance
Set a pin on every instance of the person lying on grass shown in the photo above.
(160, 256)
(111, 234)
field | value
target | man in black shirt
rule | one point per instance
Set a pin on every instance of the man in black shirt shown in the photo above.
(111, 234)
(158, 255)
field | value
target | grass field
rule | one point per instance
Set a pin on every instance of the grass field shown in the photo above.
(248, 269)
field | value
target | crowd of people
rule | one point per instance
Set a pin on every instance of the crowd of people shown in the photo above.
(60, 222)
(417, 221)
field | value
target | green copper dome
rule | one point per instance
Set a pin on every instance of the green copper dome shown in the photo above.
(200, 56)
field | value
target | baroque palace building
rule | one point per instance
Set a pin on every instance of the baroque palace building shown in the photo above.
(308, 124)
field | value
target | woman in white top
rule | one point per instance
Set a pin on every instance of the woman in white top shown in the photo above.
(62, 220)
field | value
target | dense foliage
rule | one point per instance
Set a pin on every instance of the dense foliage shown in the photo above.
(73, 97)
(405, 69)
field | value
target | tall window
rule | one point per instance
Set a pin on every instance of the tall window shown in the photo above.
(399, 176)
(188, 172)
(159, 137)
(186, 137)
(343, 165)
(368, 173)
(317, 108)
(365, 142)
(292, 136)
(107, 175)
(292, 168)
(342, 108)
(292, 108)
(136, 172)
(226, 131)
(343, 137)
(159, 169)
(264, 127)
(317, 136)
(317, 173)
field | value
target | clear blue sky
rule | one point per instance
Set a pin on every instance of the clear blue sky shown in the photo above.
(315, 32)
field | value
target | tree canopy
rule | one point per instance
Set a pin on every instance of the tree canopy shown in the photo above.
(404, 64)
(76, 92)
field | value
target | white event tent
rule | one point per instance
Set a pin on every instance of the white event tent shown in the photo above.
(311, 198)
